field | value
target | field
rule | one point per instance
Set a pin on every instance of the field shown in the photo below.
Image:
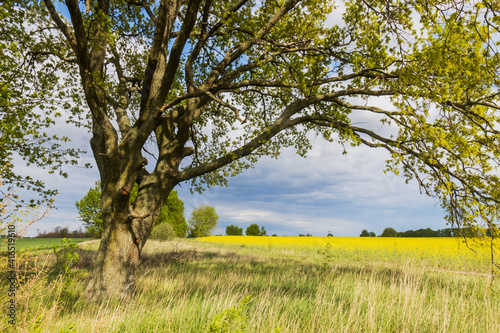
(38, 244)
(295, 284)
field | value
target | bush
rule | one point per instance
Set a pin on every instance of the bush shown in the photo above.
(163, 232)
(232, 320)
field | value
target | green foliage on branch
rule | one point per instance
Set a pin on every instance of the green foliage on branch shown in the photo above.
(30, 104)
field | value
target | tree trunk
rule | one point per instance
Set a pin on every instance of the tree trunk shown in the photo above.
(126, 230)
(117, 260)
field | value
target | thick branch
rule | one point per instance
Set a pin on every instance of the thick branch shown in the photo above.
(178, 46)
(81, 44)
(120, 107)
(282, 123)
(155, 69)
(61, 25)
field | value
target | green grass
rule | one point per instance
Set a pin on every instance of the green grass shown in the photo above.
(183, 285)
(39, 244)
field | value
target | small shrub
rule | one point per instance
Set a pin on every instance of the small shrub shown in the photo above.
(232, 320)
(67, 256)
(162, 232)
(327, 252)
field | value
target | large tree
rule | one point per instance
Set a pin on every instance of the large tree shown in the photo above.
(213, 85)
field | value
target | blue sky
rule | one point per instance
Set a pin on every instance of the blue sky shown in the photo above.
(325, 192)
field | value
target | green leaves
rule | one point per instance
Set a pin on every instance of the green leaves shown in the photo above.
(203, 221)
(231, 320)
(89, 209)
(29, 100)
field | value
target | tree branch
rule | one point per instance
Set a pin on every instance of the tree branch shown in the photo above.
(221, 102)
(232, 55)
(178, 46)
(204, 36)
(155, 68)
(120, 107)
(146, 7)
(81, 43)
(61, 25)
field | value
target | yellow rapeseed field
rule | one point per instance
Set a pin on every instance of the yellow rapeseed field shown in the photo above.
(470, 252)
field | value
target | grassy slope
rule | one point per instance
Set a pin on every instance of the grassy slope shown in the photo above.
(182, 285)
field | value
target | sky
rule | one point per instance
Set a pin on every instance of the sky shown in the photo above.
(326, 192)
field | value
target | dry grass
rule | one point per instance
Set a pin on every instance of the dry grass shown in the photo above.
(183, 284)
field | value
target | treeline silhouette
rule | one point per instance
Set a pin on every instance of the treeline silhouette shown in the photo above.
(60, 232)
(447, 232)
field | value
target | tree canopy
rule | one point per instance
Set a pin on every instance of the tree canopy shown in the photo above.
(389, 232)
(234, 230)
(203, 221)
(204, 88)
(29, 104)
(254, 230)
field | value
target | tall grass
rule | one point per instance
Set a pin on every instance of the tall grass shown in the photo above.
(183, 285)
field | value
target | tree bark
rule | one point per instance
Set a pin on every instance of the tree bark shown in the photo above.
(126, 230)
(117, 259)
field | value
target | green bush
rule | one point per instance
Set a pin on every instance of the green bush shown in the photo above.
(232, 320)
(163, 231)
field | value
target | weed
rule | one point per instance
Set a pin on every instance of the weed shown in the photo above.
(232, 320)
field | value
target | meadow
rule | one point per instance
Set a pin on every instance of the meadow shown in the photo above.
(38, 244)
(276, 284)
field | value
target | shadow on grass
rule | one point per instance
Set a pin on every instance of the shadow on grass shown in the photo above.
(197, 272)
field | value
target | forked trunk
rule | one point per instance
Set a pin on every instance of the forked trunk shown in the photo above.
(126, 230)
(117, 258)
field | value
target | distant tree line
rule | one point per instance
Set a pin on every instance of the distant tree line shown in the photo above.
(366, 233)
(446, 232)
(252, 230)
(60, 232)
